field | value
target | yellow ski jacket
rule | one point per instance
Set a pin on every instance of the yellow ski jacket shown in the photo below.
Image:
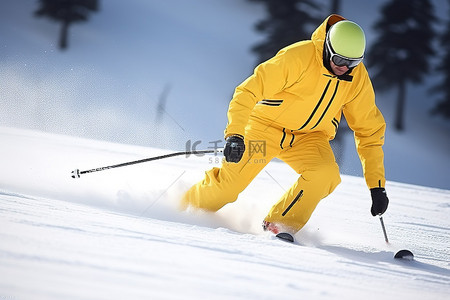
(295, 91)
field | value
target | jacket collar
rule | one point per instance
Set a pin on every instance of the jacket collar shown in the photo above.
(318, 39)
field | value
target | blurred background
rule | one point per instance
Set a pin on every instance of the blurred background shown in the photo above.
(161, 73)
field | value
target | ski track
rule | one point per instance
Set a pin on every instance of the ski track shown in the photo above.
(73, 246)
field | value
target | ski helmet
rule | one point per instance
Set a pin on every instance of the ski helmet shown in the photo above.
(347, 39)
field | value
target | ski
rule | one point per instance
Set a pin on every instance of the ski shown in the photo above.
(404, 254)
(284, 236)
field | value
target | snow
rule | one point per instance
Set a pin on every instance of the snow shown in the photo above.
(117, 233)
(108, 84)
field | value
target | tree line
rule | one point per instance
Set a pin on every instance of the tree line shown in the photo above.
(402, 54)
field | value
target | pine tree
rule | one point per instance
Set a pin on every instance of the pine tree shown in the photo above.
(66, 12)
(287, 23)
(403, 48)
(443, 106)
(335, 7)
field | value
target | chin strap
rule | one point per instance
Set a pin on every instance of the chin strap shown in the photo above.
(346, 76)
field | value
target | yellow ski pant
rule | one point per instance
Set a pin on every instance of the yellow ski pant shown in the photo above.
(310, 155)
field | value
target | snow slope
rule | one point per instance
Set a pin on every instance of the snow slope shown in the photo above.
(117, 234)
(109, 83)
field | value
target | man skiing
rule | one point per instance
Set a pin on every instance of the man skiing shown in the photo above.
(290, 108)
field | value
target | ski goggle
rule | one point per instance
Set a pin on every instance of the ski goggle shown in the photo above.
(340, 60)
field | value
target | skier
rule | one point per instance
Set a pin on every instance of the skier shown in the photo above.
(290, 108)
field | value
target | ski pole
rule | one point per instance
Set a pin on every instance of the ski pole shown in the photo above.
(384, 229)
(402, 254)
(77, 173)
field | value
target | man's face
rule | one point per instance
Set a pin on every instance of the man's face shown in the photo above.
(338, 70)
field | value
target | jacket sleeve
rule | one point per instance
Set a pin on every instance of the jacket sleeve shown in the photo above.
(369, 127)
(268, 79)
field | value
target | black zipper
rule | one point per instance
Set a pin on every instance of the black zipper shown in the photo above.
(319, 103)
(317, 106)
(282, 139)
(335, 123)
(299, 195)
(271, 102)
(292, 139)
(328, 106)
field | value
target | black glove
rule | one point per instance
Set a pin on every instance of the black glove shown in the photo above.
(380, 201)
(234, 148)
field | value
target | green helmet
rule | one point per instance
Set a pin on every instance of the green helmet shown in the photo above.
(347, 39)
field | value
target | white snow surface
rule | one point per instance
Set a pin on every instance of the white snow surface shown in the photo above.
(117, 234)
(109, 83)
